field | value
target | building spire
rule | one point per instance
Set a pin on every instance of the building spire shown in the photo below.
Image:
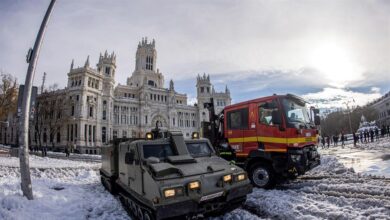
(171, 85)
(87, 62)
(227, 89)
(71, 65)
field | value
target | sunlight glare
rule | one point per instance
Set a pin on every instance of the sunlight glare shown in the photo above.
(335, 63)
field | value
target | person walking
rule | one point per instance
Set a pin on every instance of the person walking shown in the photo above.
(376, 134)
(342, 139)
(67, 150)
(328, 140)
(372, 135)
(355, 139)
(323, 142)
(383, 131)
(388, 131)
(365, 136)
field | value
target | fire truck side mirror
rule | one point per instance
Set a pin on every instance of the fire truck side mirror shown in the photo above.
(276, 117)
(317, 120)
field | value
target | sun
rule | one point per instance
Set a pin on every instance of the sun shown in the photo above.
(335, 63)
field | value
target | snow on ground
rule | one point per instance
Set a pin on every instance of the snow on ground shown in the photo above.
(62, 189)
(371, 158)
(45, 162)
(65, 189)
(330, 191)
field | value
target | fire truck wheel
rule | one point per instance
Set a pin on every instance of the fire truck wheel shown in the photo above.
(262, 175)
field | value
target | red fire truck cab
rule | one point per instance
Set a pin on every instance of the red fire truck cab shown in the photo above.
(273, 138)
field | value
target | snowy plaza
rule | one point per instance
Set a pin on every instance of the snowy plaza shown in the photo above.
(351, 183)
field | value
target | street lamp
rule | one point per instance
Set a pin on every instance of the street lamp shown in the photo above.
(32, 59)
(349, 113)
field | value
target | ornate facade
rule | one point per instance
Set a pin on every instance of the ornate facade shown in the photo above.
(98, 110)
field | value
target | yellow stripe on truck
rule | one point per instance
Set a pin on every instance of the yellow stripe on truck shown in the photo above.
(273, 140)
(275, 150)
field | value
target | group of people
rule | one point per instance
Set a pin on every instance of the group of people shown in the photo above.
(43, 149)
(326, 141)
(368, 135)
(364, 136)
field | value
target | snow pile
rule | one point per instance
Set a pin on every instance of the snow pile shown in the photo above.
(382, 143)
(81, 156)
(330, 191)
(66, 189)
(330, 166)
(45, 162)
(62, 190)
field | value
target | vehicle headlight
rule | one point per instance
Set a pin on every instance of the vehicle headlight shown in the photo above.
(149, 136)
(169, 193)
(227, 178)
(172, 192)
(241, 177)
(295, 157)
(194, 185)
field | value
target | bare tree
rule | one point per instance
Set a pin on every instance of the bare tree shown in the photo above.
(8, 94)
(337, 122)
(49, 114)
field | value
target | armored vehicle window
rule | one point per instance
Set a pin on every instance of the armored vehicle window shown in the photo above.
(199, 149)
(161, 151)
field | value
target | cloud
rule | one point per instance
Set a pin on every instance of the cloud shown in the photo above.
(332, 98)
(256, 47)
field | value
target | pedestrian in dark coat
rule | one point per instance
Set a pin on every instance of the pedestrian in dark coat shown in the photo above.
(372, 135)
(355, 139)
(383, 131)
(328, 140)
(361, 137)
(365, 136)
(342, 139)
(388, 130)
(377, 134)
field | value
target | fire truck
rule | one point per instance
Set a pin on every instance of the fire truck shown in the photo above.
(273, 138)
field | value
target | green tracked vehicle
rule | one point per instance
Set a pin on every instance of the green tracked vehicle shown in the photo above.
(166, 176)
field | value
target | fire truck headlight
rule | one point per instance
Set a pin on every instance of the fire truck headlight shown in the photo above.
(295, 157)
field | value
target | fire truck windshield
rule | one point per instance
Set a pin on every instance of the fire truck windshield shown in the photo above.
(296, 112)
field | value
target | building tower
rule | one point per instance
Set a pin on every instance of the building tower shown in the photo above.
(107, 64)
(204, 93)
(106, 67)
(146, 71)
(146, 56)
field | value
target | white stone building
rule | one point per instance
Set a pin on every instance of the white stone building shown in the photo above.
(98, 110)
(382, 106)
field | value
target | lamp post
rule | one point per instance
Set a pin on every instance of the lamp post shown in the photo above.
(349, 114)
(32, 59)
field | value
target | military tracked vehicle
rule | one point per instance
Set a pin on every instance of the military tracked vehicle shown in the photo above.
(167, 176)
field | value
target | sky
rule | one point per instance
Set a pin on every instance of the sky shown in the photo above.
(329, 52)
